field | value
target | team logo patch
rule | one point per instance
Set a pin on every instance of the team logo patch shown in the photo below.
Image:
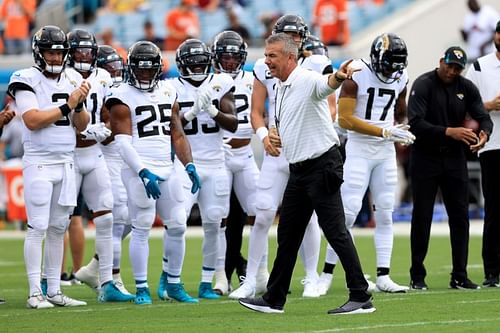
(460, 96)
(459, 54)
(103, 83)
(217, 88)
(250, 87)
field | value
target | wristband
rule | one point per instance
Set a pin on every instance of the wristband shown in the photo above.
(65, 109)
(338, 79)
(262, 132)
(189, 115)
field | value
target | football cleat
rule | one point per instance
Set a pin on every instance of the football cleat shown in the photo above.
(89, 275)
(60, 299)
(324, 283)
(162, 287)
(38, 301)
(110, 293)
(310, 288)
(120, 285)
(205, 291)
(385, 284)
(221, 284)
(372, 287)
(246, 290)
(143, 297)
(175, 291)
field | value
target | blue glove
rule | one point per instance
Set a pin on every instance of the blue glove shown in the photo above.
(151, 183)
(193, 175)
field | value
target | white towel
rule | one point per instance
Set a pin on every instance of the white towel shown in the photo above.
(67, 197)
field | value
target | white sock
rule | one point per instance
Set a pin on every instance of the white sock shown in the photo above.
(258, 242)
(139, 253)
(53, 259)
(118, 229)
(309, 249)
(210, 250)
(221, 253)
(174, 248)
(33, 258)
(383, 237)
(104, 246)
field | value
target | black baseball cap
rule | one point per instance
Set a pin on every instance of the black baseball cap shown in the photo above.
(498, 27)
(455, 55)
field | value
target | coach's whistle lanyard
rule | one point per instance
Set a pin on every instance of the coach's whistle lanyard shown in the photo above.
(277, 111)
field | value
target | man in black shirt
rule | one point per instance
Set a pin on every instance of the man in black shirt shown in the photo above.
(437, 107)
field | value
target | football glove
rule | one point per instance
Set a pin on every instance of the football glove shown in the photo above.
(193, 175)
(97, 132)
(151, 183)
(399, 133)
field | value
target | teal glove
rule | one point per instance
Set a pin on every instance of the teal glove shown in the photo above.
(151, 183)
(193, 175)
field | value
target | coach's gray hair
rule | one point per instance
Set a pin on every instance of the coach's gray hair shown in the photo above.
(289, 46)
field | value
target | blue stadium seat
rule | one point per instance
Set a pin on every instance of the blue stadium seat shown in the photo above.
(212, 23)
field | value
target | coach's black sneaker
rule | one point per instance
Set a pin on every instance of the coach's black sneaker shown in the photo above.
(418, 285)
(463, 284)
(491, 281)
(352, 307)
(260, 305)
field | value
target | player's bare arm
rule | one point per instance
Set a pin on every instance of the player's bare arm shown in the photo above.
(178, 137)
(226, 118)
(120, 119)
(347, 104)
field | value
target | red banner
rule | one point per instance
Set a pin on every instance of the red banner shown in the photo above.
(15, 193)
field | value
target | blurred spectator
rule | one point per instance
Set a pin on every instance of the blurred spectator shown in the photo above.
(330, 20)
(11, 145)
(108, 39)
(478, 29)
(17, 15)
(235, 25)
(149, 35)
(208, 5)
(182, 23)
(269, 20)
(370, 2)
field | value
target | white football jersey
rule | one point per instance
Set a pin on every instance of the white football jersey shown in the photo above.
(100, 83)
(315, 62)
(204, 134)
(150, 113)
(55, 142)
(376, 100)
(243, 83)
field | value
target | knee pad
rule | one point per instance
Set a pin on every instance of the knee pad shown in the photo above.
(120, 214)
(264, 217)
(39, 192)
(384, 201)
(177, 218)
(118, 230)
(176, 232)
(264, 202)
(352, 204)
(104, 222)
(213, 215)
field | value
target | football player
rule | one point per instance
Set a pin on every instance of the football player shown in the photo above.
(207, 109)
(146, 124)
(274, 176)
(369, 105)
(50, 100)
(229, 53)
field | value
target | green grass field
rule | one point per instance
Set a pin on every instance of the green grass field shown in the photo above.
(437, 310)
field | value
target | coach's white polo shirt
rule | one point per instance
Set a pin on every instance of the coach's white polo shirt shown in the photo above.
(302, 115)
(486, 76)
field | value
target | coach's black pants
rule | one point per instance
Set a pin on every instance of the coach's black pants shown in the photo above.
(490, 180)
(448, 172)
(314, 185)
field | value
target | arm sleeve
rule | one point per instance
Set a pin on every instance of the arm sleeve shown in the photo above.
(418, 105)
(128, 153)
